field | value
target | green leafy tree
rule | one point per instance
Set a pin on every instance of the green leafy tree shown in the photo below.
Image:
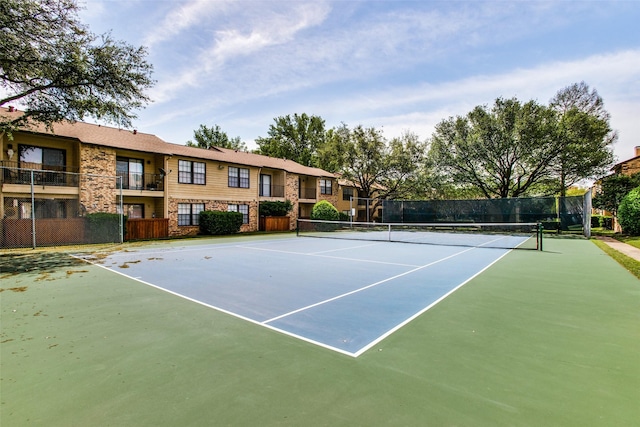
(611, 189)
(379, 168)
(208, 137)
(295, 138)
(584, 135)
(359, 155)
(500, 152)
(55, 69)
(323, 210)
(629, 212)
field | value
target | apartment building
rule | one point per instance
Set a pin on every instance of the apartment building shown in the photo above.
(353, 202)
(70, 171)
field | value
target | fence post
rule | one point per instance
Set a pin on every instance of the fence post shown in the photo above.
(33, 213)
(119, 181)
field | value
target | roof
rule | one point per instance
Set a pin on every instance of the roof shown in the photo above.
(107, 136)
(619, 165)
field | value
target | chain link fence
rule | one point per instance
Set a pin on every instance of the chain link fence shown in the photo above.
(50, 208)
(560, 214)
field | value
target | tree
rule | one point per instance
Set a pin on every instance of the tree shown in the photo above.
(502, 152)
(359, 155)
(295, 138)
(584, 134)
(55, 69)
(629, 212)
(215, 137)
(403, 177)
(612, 189)
(379, 169)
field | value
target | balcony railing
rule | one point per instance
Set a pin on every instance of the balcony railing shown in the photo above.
(272, 191)
(307, 193)
(23, 173)
(142, 181)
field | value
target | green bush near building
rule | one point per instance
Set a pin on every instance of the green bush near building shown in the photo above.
(220, 223)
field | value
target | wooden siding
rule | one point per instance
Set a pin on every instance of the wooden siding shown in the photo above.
(142, 229)
(217, 183)
(274, 223)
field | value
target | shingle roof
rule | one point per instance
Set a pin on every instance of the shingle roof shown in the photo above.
(107, 136)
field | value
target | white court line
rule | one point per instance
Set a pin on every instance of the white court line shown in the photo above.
(285, 332)
(365, 287)
(314, 254)
(222, 310)
(181, 249)
(397, 327)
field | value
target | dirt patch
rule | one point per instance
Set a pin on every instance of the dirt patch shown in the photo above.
(16, 289)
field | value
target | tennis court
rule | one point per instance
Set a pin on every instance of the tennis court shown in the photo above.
(537, 338)
(345, 295)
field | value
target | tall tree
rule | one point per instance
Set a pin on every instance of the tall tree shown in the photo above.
(55, 69)
(502, 152)
(380, 169)
(207, 137)
(584, 134)
(295, 138)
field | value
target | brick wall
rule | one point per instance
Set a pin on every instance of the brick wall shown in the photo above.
(98, 187)
(291, 193)
(209, 205)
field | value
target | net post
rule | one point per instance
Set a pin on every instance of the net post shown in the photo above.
(540, 234)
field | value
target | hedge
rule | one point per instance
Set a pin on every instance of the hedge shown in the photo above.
(220, 223)
(275, 208)
(104, 227)
(325, 211)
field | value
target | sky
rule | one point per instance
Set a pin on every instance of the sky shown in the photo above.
(398, 66)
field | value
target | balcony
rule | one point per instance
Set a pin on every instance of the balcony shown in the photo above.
(45, 175)
(308, 193)
(271, 190)
(142, 181)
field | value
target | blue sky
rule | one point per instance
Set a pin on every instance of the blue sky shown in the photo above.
(394, 65)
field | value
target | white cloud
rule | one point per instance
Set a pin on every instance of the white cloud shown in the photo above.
(185, 16)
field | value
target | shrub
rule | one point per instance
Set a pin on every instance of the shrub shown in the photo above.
(344, 216)
(629, 212)
(275, 208)
(325, 211)
(104, 227)
(219, 223)
(601, 221)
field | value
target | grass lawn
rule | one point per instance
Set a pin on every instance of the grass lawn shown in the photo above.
(540, 338)
(631, 240)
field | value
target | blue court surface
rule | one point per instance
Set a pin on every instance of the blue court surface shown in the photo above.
(339, 294)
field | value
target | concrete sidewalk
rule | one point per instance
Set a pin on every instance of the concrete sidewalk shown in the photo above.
(628, 250)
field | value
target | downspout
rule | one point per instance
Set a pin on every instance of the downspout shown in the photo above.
(258, 198)
(165, 213)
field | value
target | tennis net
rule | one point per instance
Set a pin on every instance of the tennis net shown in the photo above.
(488, 235)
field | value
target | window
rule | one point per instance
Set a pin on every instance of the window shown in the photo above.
(191, 172)
(347, 193)
(265, 185)
(42, 158)
(325, 186)
(131, 171)
(243, 209)
(134, 210)
(238, 177)
(189, 213)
